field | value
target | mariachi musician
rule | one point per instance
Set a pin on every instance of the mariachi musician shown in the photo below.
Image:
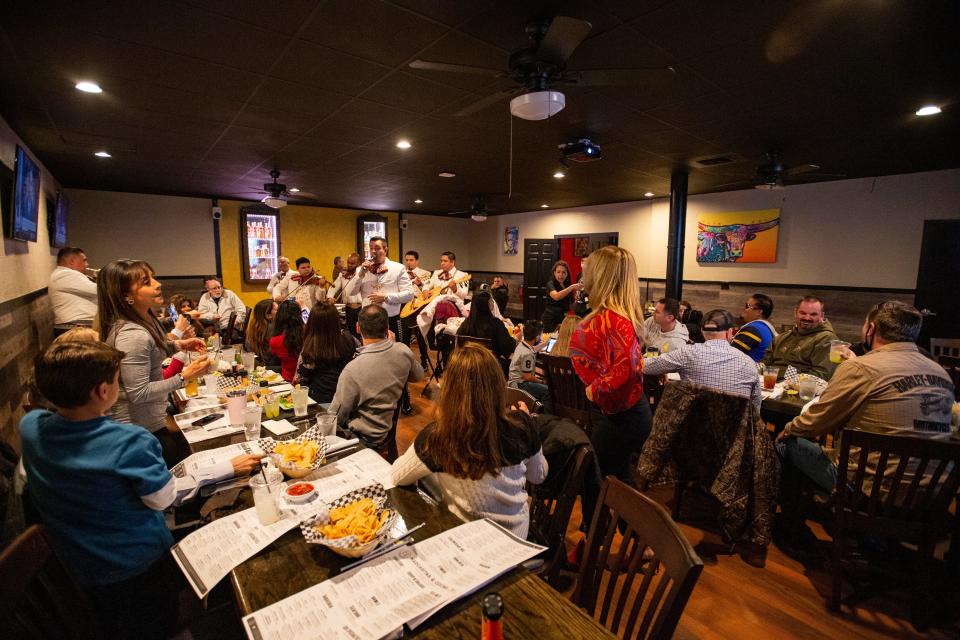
(306, 284)
(420, 279)
(351, 303)
(447, 276)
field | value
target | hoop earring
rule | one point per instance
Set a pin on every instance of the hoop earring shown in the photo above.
(130, 301)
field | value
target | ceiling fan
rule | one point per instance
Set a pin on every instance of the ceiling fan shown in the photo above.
(542, 64)
(773, 173)
(478, 210)
(277, 193)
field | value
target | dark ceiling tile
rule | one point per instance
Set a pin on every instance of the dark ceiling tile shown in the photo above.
(371, 30)
(630, 9)
(369, 115)
(295, 97)
(450, 12)
(265, 14)
(210, 78)
(504, 24)
(274, 120)
(413, 94)
(322, 67)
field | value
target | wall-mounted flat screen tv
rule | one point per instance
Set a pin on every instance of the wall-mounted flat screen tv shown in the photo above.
(57, 221)
(26, 198)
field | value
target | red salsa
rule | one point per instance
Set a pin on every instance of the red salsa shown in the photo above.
(300, 489)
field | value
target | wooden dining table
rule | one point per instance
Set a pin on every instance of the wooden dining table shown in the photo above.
(289, 565)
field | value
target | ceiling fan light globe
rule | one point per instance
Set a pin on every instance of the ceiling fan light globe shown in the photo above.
(478, 217)
(274, 202)
(538, 105)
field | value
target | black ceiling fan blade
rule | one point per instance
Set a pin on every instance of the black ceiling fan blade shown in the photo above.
(614, 77)
(491, 99)
(455, 68)
(562, 38)
(800, 168)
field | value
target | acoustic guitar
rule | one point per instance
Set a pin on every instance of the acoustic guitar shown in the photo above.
(423, 299)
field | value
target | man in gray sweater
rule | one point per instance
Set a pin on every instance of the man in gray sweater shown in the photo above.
(370, 385)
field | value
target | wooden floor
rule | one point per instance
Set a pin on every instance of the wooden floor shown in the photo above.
(734, 600)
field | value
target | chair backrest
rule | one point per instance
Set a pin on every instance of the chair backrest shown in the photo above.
(567, 393)
(514, 396)
(945, 347)
(486, 343)
(227, 338)
(247, 317)
(38, 599)
(651, 548)
(914, 499)
(553, 503)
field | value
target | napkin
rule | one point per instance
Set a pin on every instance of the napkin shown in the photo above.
(278, 427)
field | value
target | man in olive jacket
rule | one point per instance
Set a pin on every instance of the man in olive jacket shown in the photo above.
(806, 345)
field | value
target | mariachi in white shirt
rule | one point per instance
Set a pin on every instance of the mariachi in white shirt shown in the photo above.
(391, 281)
(339, 289)
(441, 278)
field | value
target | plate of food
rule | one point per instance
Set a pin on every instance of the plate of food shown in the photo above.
(301, 456)
(356, 523)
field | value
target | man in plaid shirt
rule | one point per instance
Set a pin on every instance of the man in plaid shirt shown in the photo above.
(714, 363)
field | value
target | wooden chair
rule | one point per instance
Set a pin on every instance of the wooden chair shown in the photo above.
(949, 347)
(227, 337)
(651, 548)
(38, 599)
(907, 512)
(553, 503)
(514, 396)
(567, 392)
(486, 343)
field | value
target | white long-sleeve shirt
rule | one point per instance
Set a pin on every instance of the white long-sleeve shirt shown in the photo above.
(279, 277)
(227, 303)
(394, 283)
(440, 279)
(72, 295)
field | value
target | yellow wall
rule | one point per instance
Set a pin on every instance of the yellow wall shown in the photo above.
(319, 233)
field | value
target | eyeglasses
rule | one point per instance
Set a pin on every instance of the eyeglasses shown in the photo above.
(747, 306)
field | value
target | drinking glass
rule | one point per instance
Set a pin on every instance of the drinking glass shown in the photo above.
(299, 396)
(249, 360)
(271, 409)
(808, 388)
(210, 382)
(327, 423)
(236, 403)
(836, 350)
(192, 388)
(770, 377)
(265, 494)
(251, 422)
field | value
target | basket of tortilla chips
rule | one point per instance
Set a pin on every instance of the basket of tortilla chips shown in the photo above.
(356, 523)
(301, 456)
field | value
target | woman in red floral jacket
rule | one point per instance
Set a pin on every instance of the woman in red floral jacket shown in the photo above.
(607, 354)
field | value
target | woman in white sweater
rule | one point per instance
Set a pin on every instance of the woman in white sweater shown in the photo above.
(482, 454)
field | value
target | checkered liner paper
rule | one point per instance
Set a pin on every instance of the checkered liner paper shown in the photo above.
(232, 382)
(792, 378)
(313, 433)
(375, 492)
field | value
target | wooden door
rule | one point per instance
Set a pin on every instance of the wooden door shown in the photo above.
(938, 279)
(539, 254)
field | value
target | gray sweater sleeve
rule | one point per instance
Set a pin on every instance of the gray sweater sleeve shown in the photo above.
(135, 368)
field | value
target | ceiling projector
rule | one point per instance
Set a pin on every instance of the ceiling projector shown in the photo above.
(581, 151)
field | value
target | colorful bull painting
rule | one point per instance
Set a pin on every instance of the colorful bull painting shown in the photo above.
(749, 236)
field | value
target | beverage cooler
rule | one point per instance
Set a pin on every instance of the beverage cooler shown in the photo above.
(260, 238)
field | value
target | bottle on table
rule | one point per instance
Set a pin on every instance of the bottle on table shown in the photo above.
(491, 609)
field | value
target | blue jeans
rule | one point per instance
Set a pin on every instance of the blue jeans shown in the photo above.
(539, 391)
(808, 458)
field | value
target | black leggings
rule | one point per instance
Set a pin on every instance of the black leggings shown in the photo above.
(616, 437)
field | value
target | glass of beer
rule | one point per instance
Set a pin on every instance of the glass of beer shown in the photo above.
(770, 377)
(836, 350)
(193, 388)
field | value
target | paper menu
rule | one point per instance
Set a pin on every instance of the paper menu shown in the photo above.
(361, 469)
(408, 584)
(211, 552)
(207, 459)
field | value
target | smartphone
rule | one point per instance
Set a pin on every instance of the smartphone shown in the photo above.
(172, 312)
(550, 344)
(213, 417)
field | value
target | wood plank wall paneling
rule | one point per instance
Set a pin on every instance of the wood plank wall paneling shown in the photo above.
(845, 309)
(26, 324)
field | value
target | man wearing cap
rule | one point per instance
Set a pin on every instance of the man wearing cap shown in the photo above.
(714, 363)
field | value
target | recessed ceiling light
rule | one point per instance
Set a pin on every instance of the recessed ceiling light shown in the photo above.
(102, 154)
(649, 194)
(293, 190)
(447, 174)
(928, 110)
(89, 87)
(418, 201)
(544, 206)
(403, 144)
(559, 174)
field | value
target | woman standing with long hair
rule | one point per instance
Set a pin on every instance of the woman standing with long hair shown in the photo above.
(126, 295)
(607, 354)
(287, 340)
(261, 330)
(482, 453)
(560, 295)
(326, 351)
